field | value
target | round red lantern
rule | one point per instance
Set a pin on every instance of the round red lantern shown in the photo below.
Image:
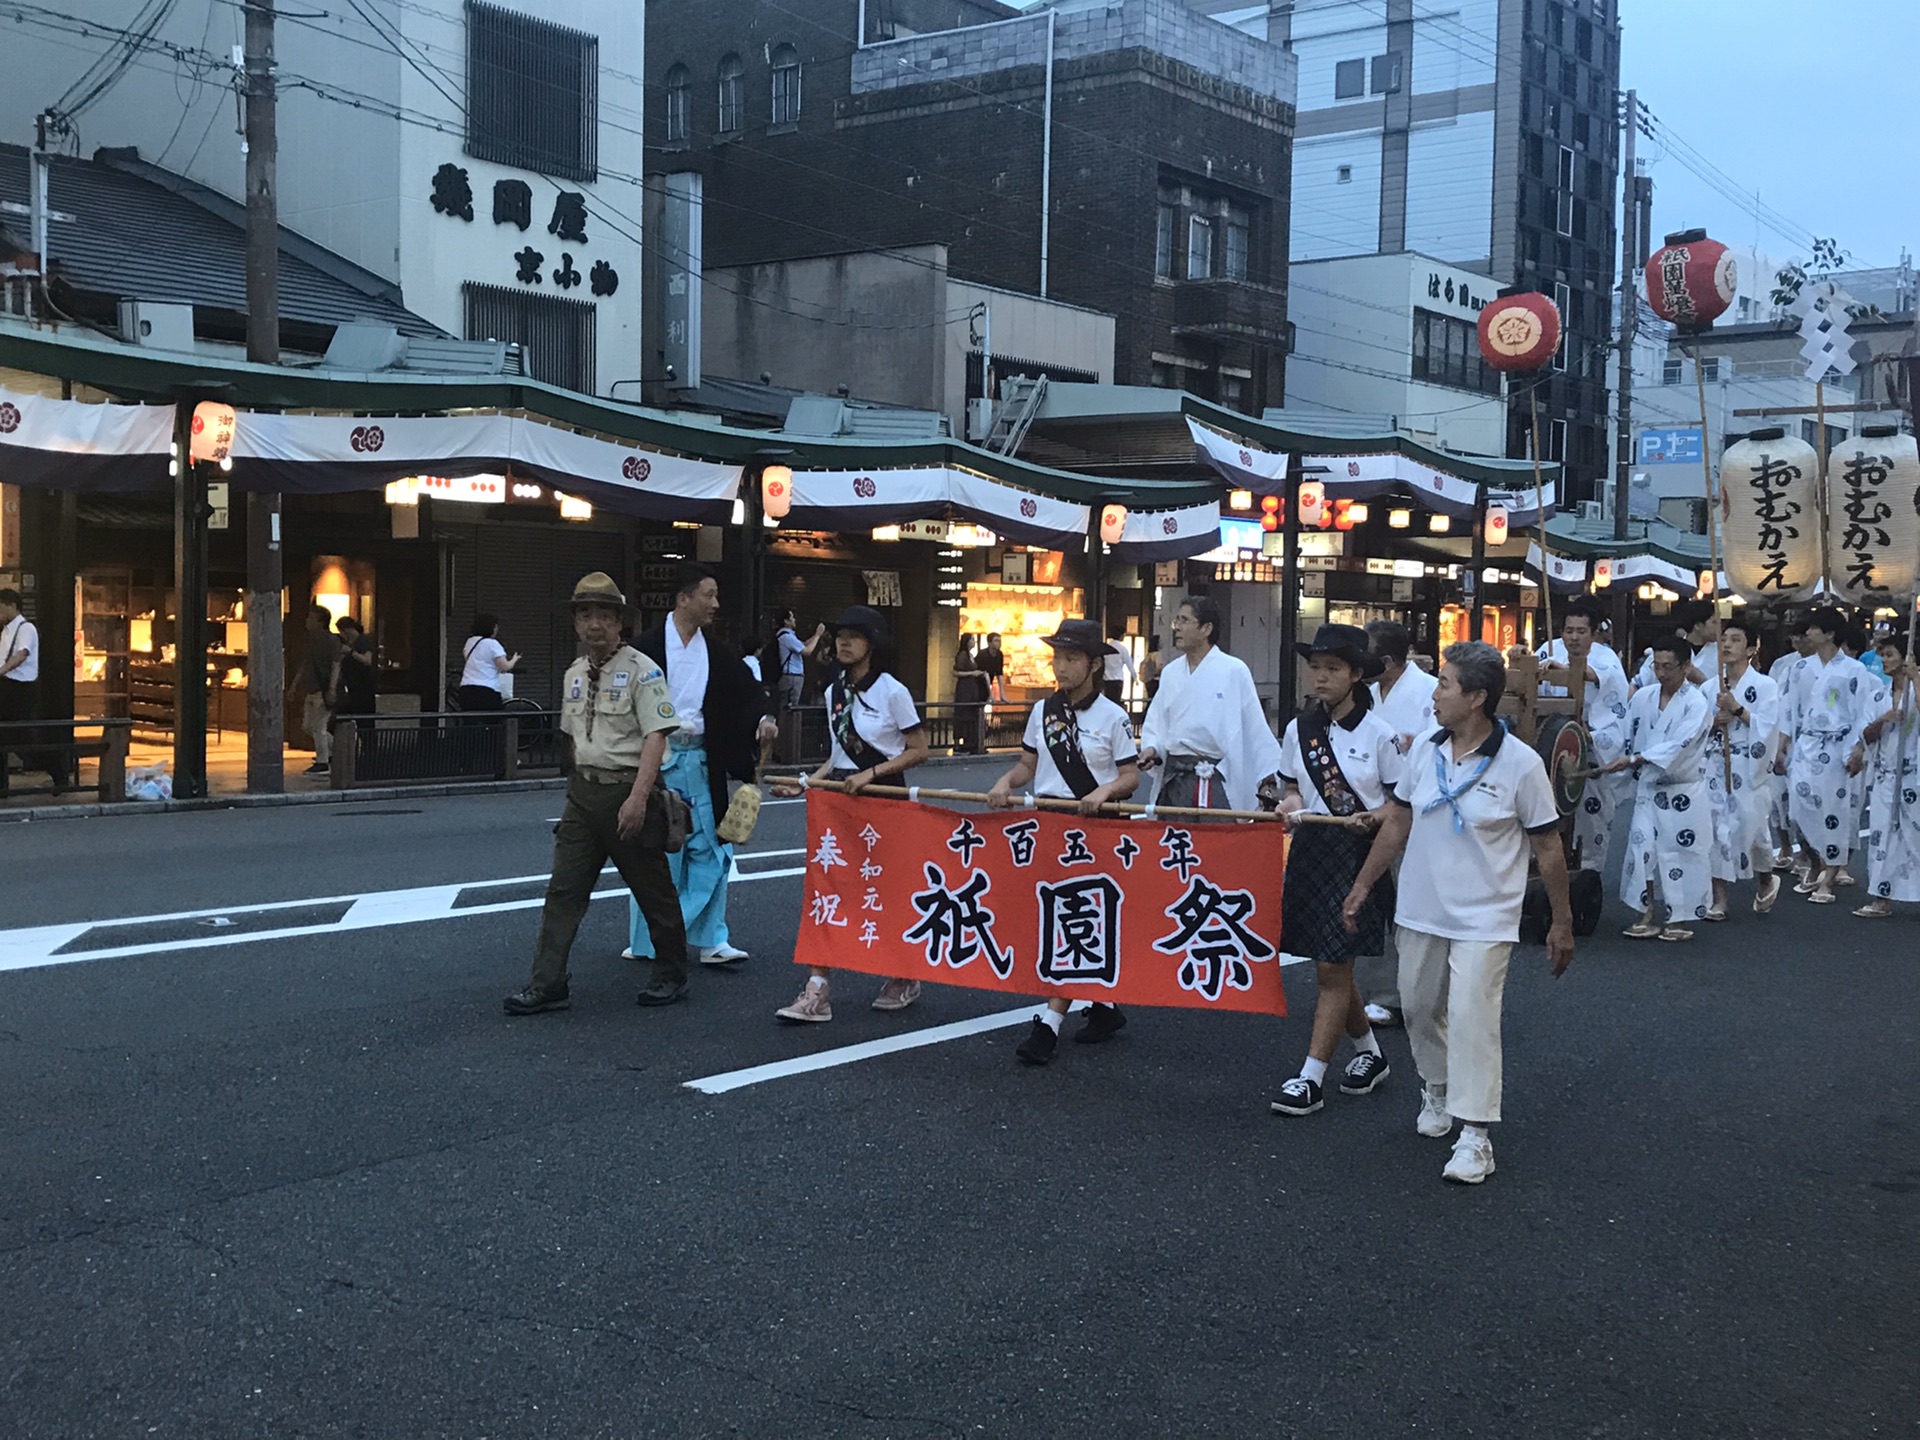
(1691, 280)
(1520, 332)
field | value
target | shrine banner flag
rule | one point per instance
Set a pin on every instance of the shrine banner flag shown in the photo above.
(1030, 902)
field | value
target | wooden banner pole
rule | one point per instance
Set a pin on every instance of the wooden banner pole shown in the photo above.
(1041, 802)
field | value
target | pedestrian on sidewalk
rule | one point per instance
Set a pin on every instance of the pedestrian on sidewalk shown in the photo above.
(1669, 869)
(969, 699)
(1338, 758)
(792, 654)
(877, 739)
(1205, 725)
(1746, 720)
(20, 691)
(1471, 803)
(1832, 703)
(485, 666)
(311, 681)
(993, 662)
(1403, 698)
(1078, 746)
(351, 690)
(1890, 744)
(616, 709)
(723, 718)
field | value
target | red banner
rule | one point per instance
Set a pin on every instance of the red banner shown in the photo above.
(1042, 903)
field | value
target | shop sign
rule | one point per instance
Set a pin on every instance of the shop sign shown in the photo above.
(1314, 586)
(218, 504)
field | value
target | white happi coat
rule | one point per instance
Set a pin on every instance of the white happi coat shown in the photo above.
(1832, 702)
(1740, 819)
(1213, 711)
(1670, 845)
(1893, 771)
(1605, 714)
(1783, 673)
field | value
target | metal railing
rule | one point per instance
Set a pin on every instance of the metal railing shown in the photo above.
(37, 742)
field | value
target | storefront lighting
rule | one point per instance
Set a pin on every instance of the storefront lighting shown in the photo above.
(886, 532)
(226, 466)
(1399, 519)
(173, 467)
(1357, 512)
(1439, 524)
(739, 515)
(1240, 499)
(951, 569)
(572, 508)
(1646, 591)
(952, 604)
(949, 553)
(522, 491)
(403, 492)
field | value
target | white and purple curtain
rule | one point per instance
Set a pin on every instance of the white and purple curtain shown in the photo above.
(71, 445)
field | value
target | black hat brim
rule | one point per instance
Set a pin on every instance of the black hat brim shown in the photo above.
(1370, 666)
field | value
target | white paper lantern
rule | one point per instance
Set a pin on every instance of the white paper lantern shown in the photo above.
(1497, 522)
(212, 432)
(1313, 496)
(1873, 516)
(1113, 523)
(1768, 485)
(776, 491)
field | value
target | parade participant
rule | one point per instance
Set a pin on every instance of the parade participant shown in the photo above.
(1832, 694)
(1078, 746)
(1702, 625)
(877, 738)
(1337, 758)
(1403, 698)
(1745, 724)
(1668, 849)
(1783, 673)
(1205, 724)
(1856, 641)
(1470, 804)
(616, 709)
(722, 714)
(1890, 742)
(1605, 714)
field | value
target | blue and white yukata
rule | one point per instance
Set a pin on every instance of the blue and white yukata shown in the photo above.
(1832, 704)
(1893, 770)
(1605, 715)
(1741, 844)
(1670, 845)
(1784, 673)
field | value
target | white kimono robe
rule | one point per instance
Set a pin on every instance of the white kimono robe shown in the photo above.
(1670, 845)
(1606, 719)
(1740, 820)
(1784, 672)
(1893, 769)
(1832, 704)
(1214, 712)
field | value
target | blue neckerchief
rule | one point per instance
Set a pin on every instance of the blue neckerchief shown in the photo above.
(1450, 794)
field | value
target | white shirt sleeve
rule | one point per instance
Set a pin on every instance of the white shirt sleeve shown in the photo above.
(902, 709)
(1290, 762)
(1533, 797)
(1389, 761)
(1120, 735)
(1036, 730)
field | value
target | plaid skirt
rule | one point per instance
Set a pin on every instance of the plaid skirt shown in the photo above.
(1322, 864)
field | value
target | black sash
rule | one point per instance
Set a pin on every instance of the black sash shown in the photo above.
(840, 703)
(1060, 726)
(1316, 749)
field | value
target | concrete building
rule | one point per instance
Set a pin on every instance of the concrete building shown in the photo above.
(1130, 157)
(483, 157)
(1485, 135)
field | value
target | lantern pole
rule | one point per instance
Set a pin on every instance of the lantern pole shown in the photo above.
(1540, 512)
(1820, 493)
(1713, 553)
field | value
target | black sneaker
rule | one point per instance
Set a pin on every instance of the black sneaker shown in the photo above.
(1037, 1048)
(1364, 1074)
(317, 768)
(663, 992)
(1299, 1096)
(529, 1001)
(1103, 1023)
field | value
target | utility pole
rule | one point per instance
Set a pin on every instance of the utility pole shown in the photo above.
(1629, 321)
(266, 654)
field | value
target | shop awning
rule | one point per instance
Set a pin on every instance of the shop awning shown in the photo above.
(71, 445)
(1153, 535)
(1567, 575)
(856, 500)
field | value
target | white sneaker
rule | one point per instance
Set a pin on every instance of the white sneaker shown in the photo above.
(1381, 1015)
(1472, 1158)
(627, 954)
(1434, 1121)
(721, 955)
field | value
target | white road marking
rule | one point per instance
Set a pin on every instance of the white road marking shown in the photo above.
(892, 1044)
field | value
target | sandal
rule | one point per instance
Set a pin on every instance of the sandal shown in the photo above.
(1875, 910)
(1716, 914)
(1645, 930)
(1765, 894)
(1676, 932)
(1822, 896)
(1843, 880)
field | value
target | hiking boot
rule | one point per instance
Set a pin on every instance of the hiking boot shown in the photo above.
(1299, 1096)
(1037, 1048)
(1364, 1074)
(1103, 1023)
(529, 1001)
(811, 1008)
(897, 995)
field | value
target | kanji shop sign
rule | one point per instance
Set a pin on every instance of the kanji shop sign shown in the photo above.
(1038, 903)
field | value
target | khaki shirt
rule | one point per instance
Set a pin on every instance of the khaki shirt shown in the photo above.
(608, 725)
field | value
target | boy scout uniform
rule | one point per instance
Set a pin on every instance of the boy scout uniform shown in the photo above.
(608, 720)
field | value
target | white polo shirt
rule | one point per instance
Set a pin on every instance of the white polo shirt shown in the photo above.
(882, 715)
(1407, 709)
(1106, 740)
(1365, 747)
(19, 638)
(1470, 884)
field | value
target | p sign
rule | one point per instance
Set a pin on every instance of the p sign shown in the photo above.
(1670, 447)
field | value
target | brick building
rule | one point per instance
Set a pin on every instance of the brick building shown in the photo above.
(1168, 164)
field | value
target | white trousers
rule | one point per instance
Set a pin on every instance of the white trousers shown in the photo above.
(313, 719)
(1452, 991)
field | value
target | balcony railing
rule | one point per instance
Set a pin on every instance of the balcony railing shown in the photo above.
(1230, 309)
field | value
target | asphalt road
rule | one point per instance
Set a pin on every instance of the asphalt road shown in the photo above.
(315, 1184)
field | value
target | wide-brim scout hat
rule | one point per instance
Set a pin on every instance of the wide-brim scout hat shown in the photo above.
(862, 620)
(1346, 642)
(1081, 635)
(598, 589)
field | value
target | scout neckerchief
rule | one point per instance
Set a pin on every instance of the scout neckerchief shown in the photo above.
(842, 698)
(1316, 748)
(593, 689)
(1449, 792)
(1060, 726)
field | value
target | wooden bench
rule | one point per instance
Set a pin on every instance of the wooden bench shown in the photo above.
(35, 741)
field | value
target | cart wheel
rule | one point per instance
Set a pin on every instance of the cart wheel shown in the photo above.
(1567, 751)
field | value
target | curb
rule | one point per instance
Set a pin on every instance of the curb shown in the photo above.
(103, 810)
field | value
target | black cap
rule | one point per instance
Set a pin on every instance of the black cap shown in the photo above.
(1348, 642)
(862, 620)
(1081, 635)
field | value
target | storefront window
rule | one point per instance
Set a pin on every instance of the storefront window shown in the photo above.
(1022, 614)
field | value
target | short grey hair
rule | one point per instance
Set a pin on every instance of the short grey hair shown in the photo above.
(1478, 666)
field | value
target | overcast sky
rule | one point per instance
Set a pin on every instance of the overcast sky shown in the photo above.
(1812, 102)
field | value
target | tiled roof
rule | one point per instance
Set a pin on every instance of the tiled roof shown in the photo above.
(143, 233)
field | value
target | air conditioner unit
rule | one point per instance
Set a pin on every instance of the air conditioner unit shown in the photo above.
(1593, 511)
(156, 325)
(979, 419)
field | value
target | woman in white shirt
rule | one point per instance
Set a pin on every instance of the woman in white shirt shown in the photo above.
(877, 738)
(485, 660)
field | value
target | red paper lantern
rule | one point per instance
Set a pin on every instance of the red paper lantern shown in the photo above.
(1691, 280)
(1520, 332)
(1271, 516)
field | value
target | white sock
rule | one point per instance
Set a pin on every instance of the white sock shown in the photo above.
(1314, 1070)
(1366, 1044)
(817, 982)
(1479, 1130)
(1051, 1018)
